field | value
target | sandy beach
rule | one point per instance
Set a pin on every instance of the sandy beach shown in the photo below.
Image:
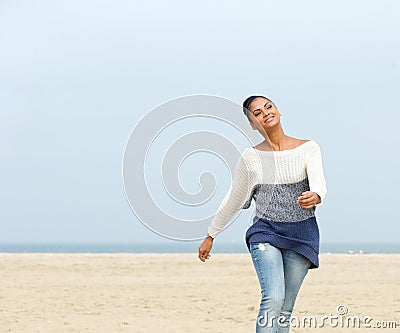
(178, 293)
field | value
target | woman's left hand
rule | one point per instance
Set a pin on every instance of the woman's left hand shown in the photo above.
(308, 199)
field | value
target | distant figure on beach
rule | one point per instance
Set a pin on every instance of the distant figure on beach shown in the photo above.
(284, 175)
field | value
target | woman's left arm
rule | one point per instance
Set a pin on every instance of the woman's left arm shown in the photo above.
(315, 173)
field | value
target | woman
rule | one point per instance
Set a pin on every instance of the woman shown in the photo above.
(285, 177)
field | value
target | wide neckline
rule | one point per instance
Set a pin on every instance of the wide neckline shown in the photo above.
(281, 151)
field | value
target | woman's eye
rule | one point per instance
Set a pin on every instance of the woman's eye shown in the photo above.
(269, 106)
(257, 114)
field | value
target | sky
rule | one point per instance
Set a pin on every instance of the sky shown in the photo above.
(76, 77)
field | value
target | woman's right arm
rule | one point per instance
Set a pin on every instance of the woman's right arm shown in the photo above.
(234, 200)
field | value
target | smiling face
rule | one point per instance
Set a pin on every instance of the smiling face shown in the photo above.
(264, 112)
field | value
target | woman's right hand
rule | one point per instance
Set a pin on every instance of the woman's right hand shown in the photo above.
(205, 248)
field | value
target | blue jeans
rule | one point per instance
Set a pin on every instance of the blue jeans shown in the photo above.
(280, 273)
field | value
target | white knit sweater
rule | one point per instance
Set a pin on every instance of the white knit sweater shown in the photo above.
(274, 179)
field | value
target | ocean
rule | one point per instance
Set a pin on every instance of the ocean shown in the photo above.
(180, 247)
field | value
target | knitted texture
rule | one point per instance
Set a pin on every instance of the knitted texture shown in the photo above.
(275, 179)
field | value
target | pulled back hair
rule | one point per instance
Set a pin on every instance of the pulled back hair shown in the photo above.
(247, 102)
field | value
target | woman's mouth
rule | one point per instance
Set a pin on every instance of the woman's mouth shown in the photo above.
(269, 119)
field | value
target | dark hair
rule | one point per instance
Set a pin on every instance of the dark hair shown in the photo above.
(247, 102)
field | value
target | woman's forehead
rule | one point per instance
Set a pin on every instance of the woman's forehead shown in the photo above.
(259, 102)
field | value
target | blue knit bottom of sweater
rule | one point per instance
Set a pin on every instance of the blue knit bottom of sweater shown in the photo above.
(301, 236)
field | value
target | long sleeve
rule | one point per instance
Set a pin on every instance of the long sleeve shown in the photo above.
(238, 193)
(315, 173)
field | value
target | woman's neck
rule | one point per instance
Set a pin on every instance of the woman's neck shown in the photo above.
(276, 138)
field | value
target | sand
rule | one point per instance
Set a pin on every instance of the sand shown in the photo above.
(178, 293)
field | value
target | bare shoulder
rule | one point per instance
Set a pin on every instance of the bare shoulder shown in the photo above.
(260, 146)
(294, 142)
(290, 143)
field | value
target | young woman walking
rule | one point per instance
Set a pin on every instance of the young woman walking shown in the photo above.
(284, 176)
